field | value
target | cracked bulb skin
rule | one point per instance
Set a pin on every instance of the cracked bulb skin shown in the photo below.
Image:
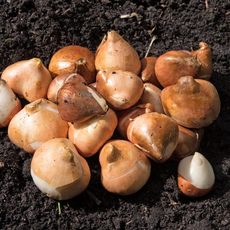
(58, 170)
(124, 168)
(195, 176)
(29, 79)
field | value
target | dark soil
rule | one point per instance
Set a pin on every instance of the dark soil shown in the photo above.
(37, 28)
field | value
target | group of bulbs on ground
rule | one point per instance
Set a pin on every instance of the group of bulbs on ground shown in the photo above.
(159, 107)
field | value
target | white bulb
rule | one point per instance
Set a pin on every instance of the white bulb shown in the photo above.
(197, 170)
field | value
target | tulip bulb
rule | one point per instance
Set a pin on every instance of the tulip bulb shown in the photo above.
(127, 116)
(152, 95)
(90, 136)
(195, 175)
(9, 104)
(188, 142)
(204, 56)
(191, 103)
(28, 78)
(58, 82)
(114, 53)
(35, 124)
(172, 65)
(73, 59)
(148, 70)
(58, 170)
(124, 168)
(155, 134)
(78, 102)
(121, 89)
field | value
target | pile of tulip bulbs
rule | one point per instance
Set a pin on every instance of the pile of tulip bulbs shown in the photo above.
(158, 105)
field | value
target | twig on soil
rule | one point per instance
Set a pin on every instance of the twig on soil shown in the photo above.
(59, 208)
(138, 16)
(206, 4)
(154, 38)
(93, 197)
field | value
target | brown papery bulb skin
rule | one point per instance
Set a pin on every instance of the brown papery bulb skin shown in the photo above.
(121, 89)
(189, 189)
(58, 82)
(70, 59)
(152, 95)
(28, 78)
(188, 142)
(78, 102)
(204, 56)
(35, 124)
(127, 116)
(172, 65)
(148, 70)
(192, 103)
(154, 133)
(9, 104)
(58, 170)
(124, 168)
(90, 136)
(114, 53)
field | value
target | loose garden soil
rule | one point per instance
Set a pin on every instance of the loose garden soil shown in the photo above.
(38, 28)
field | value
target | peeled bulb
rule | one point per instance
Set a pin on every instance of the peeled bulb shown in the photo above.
(35, 124)
(124, 168)
(28, 78)
(121, 89)
(195, 175)
(73, 59)
(114, 53)
(90, 136)
(9, 104)
(58, 170)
